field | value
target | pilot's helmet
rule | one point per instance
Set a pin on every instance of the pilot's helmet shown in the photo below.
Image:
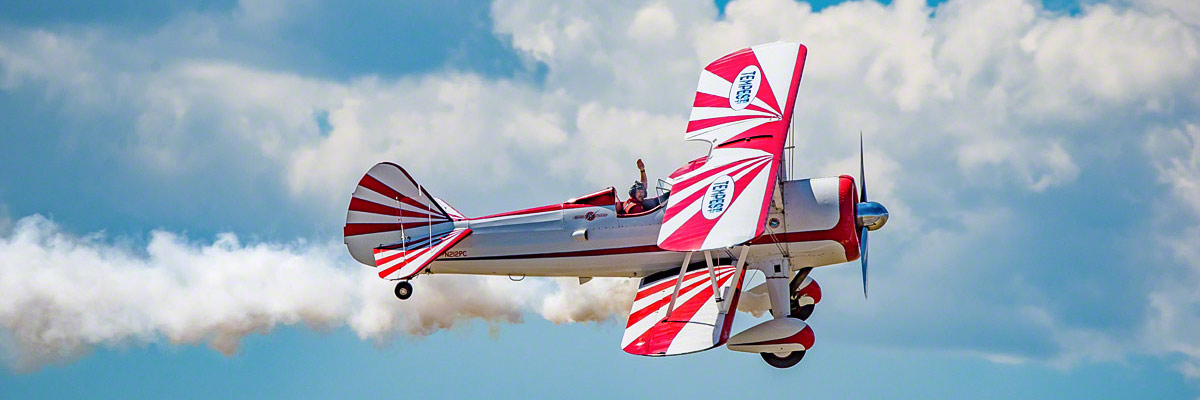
(633, 189)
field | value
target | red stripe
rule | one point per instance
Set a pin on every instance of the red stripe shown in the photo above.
(692, 180)
(732, 168)
(714, 101)
(582, 253)
(354, 229)
(711, 122)
(663, 302)
(409, 248)
(691, 308)
(447, 242)
(381, 261)
(658, 338)
(416, 244)
(361, 205)
(804, 338)
(376, 185)
(729, 66)
(534, 210)
(757, 108)
(409, 257)
(776, 132)
(733, 303)
(732, 64)
(670, 281)
(709, 100)
(691, 234)
(689, 167)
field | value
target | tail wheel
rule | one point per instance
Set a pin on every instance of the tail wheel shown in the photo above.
(802, 312)
(784, 360)
(403, 290)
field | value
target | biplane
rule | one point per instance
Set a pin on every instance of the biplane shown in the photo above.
(727, 212)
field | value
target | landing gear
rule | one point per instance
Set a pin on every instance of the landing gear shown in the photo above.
(403, 290)
(806, 290)
(801, 312)
(783, 360)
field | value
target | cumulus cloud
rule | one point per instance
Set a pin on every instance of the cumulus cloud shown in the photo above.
(65, 294)
(991, 96)
(1173, 320)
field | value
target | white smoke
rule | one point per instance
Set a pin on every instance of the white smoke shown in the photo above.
(596, 301)
(65, 294)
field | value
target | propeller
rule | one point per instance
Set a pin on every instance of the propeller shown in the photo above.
(870, 215)
(862, 237)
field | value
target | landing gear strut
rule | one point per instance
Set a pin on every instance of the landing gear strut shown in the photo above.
(796, 310)
(784, 360)
(801, 312)
(403, 290)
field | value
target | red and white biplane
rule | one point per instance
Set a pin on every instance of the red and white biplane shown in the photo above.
(728, 211)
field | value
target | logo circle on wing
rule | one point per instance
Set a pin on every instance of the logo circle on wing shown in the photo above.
(718, 197)
(745, 87)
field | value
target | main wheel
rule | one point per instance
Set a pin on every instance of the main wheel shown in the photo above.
(788, 360)
(403, 290)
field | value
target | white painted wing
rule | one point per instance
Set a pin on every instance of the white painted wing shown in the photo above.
(743, 106)
(695, 324)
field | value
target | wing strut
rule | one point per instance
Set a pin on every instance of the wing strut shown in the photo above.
(712, 275)
(737, 275)
(687, 259)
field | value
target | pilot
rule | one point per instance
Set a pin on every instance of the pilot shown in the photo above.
(637, 195)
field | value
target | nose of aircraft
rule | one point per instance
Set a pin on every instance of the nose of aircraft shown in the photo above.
(871, 215)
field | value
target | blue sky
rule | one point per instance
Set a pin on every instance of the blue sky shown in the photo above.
(175, 176)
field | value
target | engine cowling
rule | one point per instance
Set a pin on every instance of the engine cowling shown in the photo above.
(819, 225)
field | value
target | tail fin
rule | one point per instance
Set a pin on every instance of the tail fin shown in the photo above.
(389, 208)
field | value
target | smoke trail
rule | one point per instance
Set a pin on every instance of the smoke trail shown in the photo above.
(596, 301)
(64, 294)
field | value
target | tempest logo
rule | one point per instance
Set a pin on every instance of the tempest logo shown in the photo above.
(744, 88)
(716, 200)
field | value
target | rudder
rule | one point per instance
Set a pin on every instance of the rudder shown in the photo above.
(389, 208)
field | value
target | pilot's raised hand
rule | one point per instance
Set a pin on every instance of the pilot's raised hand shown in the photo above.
(642, 171)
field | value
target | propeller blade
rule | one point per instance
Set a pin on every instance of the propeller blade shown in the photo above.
(862, 255)
(862, 170)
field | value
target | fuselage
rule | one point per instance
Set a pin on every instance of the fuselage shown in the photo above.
(812, 223)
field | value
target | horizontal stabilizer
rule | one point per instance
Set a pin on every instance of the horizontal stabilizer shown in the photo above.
(402, 261)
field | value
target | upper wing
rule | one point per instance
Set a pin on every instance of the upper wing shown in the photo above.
(698, 322)
(743, 107)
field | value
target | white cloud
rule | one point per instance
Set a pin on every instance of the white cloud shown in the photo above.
(654, 24)
(1172, 316)
(971, 95)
